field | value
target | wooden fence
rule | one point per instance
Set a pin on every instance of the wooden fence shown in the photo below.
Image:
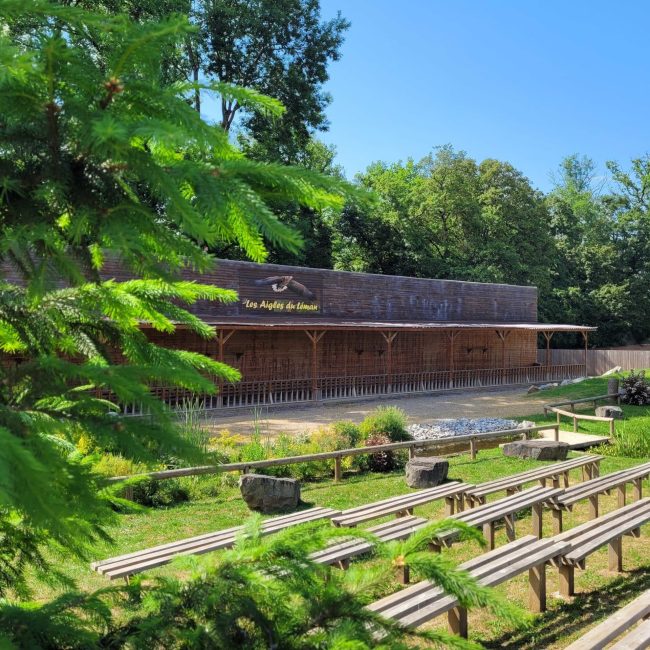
(599, 361)
(336, 456)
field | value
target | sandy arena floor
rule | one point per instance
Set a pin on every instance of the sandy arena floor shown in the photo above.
(301, 418)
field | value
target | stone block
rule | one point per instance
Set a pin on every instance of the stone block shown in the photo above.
(536, 449)
(268, 493)
(426, 471)
(615, 412)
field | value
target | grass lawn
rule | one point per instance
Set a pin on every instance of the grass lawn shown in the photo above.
(599, 591)
(563, 622)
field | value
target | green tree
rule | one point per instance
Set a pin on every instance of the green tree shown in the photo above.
(100, 161)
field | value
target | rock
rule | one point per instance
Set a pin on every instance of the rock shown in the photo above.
(566, 382)
(547, 386)
(612, 371)
(267, 493)
(458, 427)
(525, 424)
(615, 412)
(577, 380)
(533, 389)
(426, 471)
(536, 449)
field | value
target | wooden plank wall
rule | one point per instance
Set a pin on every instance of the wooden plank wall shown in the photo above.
(278, 355)
(359, 296)
(599, 361)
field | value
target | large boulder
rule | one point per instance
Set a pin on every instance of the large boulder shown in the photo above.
(426, 471)
(268, 493)
(536, 449)
(615, 412)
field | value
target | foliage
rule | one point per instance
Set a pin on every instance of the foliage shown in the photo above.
(106, 175)
(390, 421)
(635, 388)
(383, 460)
(155, 493)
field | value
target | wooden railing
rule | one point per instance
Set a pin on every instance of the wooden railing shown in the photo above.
(554, 408)
(412, 445)
(288, 391)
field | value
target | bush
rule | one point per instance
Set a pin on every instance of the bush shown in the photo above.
(348, 432)
(115, 465)
(156, 494)
(386, 420)
(381, 461)
(636, 389)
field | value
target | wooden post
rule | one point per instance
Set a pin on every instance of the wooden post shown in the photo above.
(567, 580)
(503, 335)
(638, 489)
(509, 521)
(557, 521)
(404, 574)
(451, 337)
(615, 552)
(314, 337)
(222, 338)
(472, 448)
(611, 428)
(593, 506)
(389, 337)
(337, 469)
(585, 336)
(449, 506)
(488, 534)
(537, 520)
(548, 336)
(575, 424)
(556, 430)
(537, 591)
(457, 619)
(620, 490)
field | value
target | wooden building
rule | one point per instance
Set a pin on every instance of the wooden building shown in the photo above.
(301, 334)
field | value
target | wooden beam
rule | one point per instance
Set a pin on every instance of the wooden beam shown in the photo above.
(389, 337)
(223, 336)
(585, 336)
(548, 336)
(314, 336)
(451, 337)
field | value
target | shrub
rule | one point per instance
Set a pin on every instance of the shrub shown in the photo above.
(381, 461)
(116, 465)
(636, 389)
(387, 420)
(348, 432)
(156, 494)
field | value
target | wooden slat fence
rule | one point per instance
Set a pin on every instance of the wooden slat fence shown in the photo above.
(599, 361)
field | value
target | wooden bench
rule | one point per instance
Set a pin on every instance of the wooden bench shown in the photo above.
(618, 624)
(424, 601)
(587, 538)
(488, 514)
(127, 565)
(341, 552)
(403, 505)
(593, 488)
(589, 463)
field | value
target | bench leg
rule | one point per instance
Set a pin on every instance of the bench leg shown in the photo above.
(595, 469)
(567, 580)
(593, 506)
(586, 471)
(620, 491)
(537, 520)
(509, 521)
(404, 574)
(537, 592)
(565, 476)
(344, 564)
(638, 489)
(615, 548)
(449, 506)
(488, 533)
(556, 481)
(557, 521)
(460, 502)
(457, 619)
(435, 548)
(542, 482)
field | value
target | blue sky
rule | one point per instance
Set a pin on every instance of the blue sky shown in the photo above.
(527, 81)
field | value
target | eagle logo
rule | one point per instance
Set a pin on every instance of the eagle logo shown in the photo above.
(280, 283)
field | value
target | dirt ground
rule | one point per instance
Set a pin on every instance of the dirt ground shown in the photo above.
(301, 418)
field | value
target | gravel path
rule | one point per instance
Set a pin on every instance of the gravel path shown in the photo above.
(477, 403)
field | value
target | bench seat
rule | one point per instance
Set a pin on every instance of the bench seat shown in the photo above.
(403, 504)
(588, 462)
(593, 488)
(618, 624)
(585, 539)
(424, 601)
(488, 514)
(124, 566)
(341, 552)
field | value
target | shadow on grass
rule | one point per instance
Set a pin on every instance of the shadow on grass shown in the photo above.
(562, 621)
